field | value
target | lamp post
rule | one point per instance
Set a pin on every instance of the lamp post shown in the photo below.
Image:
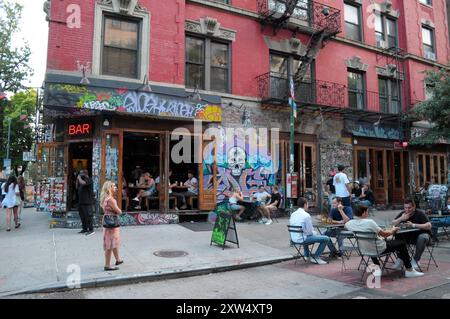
(9, 138)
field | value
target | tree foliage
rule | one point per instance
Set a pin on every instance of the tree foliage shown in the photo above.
(435, 110)
(14, 67)
(21, 109)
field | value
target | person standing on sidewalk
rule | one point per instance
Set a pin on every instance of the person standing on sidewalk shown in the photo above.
(11, 201)
(85, 202)
(342, 185)
(111, 236)
(21, 183)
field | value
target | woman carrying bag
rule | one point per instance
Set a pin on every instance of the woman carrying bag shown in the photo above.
(22, 185)
(111, 226)
(11, 201)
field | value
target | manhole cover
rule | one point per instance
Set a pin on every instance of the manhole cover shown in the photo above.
(170, 253)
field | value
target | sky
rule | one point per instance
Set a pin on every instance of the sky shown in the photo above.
(34, 29)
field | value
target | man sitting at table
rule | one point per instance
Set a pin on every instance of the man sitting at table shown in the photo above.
(261, 197)
(150, 188)
(366, 198)
(272, 207)
(192, 185)
(301, 218)
(415, 218)
(364, 224)
(339, 215)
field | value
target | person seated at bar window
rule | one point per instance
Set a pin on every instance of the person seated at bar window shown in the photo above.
(192, 184)
(366, 198)
(339, 214)
(150, 188)
(415, 218)
(233, 205)
(364, 224)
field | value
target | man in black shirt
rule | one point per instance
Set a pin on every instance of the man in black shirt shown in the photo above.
(413, 218)
(366, 198)
(85, 200)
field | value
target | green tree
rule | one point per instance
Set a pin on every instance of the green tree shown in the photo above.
(14, 67)
(21, 110)
(435, 110)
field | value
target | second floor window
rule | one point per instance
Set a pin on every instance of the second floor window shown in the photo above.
(120, 47)
(352, 22)
(428, 43)
(281, 68)
(385, 32)
(207, 64)
(389, 95)
(356, 97)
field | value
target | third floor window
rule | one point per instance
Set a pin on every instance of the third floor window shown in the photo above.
(385, 32)
(207, 64)
(428, 41)
(301, 11)
(352, 22)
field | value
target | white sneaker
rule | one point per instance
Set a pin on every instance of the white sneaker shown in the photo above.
(414, 263)
(317, 261)
(269, 222)
(398, 264)
(262, 221)
(135, 199)
(413, 273)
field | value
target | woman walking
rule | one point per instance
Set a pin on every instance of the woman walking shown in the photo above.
(111, 236)
(11, 201)
(21, 183)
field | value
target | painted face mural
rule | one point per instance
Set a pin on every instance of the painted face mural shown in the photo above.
(236, 160)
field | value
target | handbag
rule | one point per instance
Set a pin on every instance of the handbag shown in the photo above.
(111, 221)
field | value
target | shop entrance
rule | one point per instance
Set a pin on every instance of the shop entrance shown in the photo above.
(80, 158)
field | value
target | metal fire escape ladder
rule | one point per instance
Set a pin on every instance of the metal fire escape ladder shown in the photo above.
(312, 50)
(271, 16)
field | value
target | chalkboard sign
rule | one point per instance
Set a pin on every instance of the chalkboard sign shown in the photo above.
(225, 228)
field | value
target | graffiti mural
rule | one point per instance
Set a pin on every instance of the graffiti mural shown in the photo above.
(127, 101)
(238, 168)
(144, 218)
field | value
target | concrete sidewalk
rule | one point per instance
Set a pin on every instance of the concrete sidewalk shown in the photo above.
(36, 258)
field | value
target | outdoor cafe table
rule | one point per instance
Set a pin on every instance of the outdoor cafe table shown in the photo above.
(250, 208)
(400, 235)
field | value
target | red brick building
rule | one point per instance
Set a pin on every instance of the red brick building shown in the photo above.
(357, 66)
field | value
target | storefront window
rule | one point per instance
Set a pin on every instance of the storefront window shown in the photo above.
(380, 179)
(442, 170)
(397, 170)
(308, 167)
(112, 158)
(428, 167)
(362, 165)
(421, 171)
(435, 178)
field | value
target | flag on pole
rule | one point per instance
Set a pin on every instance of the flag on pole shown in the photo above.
(292, 98)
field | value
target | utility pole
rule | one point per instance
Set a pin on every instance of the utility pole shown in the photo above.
(292, 117)
(9, 137)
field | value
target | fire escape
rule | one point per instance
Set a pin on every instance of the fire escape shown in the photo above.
(320, 21)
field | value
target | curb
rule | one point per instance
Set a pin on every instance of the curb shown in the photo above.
(145, 277)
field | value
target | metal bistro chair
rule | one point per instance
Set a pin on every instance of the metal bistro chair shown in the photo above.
(369, 239)
(429, 249)
(347, 249)
(299, 246)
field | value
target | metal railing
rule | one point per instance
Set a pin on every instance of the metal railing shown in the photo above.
(274, 88)
(303, 12)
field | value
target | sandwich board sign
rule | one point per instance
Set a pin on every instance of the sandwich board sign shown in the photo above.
(224, 228)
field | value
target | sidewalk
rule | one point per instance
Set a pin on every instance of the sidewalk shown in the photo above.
(37, 258)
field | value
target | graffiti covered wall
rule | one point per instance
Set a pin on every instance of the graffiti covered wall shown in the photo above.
(128, 101)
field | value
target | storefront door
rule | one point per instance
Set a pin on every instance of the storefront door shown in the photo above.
(396, 178)
(207, 176)
(379, 179)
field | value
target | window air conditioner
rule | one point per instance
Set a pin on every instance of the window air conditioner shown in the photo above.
(430, 55)
(381, 44)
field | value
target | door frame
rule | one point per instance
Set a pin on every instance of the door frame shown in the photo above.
(119, 133)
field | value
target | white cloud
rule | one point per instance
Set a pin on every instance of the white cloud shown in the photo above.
(34, 30)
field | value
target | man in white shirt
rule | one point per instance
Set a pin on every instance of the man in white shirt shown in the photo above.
(342, 186)
(363, 224)
(301, 218)
(192, 184)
